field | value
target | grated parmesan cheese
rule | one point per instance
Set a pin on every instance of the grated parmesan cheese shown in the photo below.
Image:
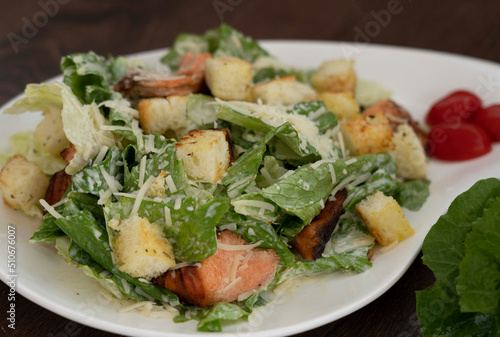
(224, 246)
(50, 209)
(140, 195)
(253, 203)
(142, 171)
(101, 155)
(168, 217)
(170, 184)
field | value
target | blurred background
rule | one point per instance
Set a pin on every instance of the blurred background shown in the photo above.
(34, 35)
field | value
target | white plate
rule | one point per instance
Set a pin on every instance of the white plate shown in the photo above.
(417, 79)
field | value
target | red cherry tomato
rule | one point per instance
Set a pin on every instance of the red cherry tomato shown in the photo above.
(455, 108)
(489, 120)
(463, 142)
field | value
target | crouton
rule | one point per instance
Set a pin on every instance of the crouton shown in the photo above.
(23, 184)
(49, 132)
(384, 218)
(284, 90)
(396, 116)
(206, 154)
(367, 134)
(409, 153)
(157, 188)
(342, 104)
(336, 76)
(140, 248)
(163, 114)
(229, 78)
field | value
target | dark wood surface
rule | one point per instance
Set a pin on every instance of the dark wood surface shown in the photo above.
(119, 27)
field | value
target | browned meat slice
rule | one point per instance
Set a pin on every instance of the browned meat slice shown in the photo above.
(396, 116)
(232, 271)
(189, 79)
(58, 185)
(370, 253)
(310, 242)
(68, 153)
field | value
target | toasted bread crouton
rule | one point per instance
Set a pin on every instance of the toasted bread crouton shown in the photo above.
(367, 134)
(163, 114)
(384, 218)
(206, 154)
(23, 184)
(342, 104)
(336, 76)
(229, 78)
(284, 90)
(140, 248)
(49, 132)
(233, 272)
(157, 188)
(409, 153)
(396, 116)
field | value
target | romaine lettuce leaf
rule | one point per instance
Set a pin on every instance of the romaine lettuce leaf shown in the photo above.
(192, 228)
(195, 44)
(413, 194)
(254, 230)
(264, 118)
(83, 229)
(223, 41)
(48, 231)
(444, 251)
(244, 170)
(303, 192)
(478, 283)
(316, 112)
(91, 78)
(25, 144)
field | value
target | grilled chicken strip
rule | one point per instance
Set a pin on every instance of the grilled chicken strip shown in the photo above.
(229, 273)
(310, 242)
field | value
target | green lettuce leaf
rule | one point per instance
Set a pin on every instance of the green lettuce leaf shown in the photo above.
(195, 44)
(25, 144)
(192, 227)
(317, 113)
(444, 250)
(413, 194)
(244, 170)
(478, 283)
(303, 192)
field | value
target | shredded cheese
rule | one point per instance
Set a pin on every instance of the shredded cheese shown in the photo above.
(170, 184)
(168, 217)
(50, 209)
(101, 155)
(142, 171)
(253, 203)
(224, 246)
(177, 204)
(113, 185)
(140, 195)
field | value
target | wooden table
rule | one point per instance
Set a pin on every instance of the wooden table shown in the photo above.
(31, 53)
